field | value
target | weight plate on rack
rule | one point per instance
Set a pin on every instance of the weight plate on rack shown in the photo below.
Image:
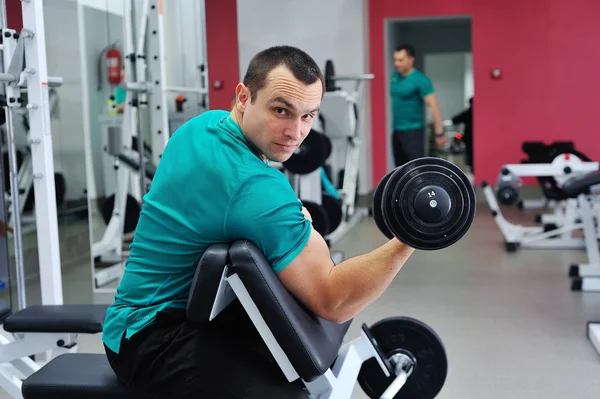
(320, 219)
(309, 156)
(333, 208)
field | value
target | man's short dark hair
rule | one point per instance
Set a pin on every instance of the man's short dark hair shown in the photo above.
(410, 50)
(302, 66)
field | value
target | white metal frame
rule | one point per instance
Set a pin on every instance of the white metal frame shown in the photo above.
(338, 381)
(593, 333)
(31, 43)
(567, 216)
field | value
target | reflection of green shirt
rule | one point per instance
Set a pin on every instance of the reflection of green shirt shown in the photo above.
(407, 99)
(120, 95)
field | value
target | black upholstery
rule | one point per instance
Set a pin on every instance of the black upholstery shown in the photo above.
(76, 376)
(149, 168)
(206, 281)
(83, 319)
(581, 184)
(4, 310)
(310, 343)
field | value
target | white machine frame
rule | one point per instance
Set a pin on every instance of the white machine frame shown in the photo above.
(16, 349)
(338, 382)
(589, 274)
(31, 43)
(567, 216)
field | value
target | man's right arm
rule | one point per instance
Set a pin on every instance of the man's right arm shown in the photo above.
(339, 292)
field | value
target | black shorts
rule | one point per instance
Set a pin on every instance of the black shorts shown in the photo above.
(174, 358)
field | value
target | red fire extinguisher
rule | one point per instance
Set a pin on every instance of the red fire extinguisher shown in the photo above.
(113, 66)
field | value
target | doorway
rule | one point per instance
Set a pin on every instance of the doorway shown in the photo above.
(443, 52)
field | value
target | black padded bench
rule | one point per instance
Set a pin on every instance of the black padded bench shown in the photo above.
(581, 184)
(5, 310)
(309, 343)
(77, 319)
(149, 168)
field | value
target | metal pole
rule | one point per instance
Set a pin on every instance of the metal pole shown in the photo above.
(16, 207)
(14, 181)
(42, 157)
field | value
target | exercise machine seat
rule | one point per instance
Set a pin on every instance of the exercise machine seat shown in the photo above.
(203, 291)
(5, 310)
(76, 376)
(81, 319)
(149, 167)
(581, 184)
(310, 343)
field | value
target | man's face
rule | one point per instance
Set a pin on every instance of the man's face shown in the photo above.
(403, 62)
(282, 114)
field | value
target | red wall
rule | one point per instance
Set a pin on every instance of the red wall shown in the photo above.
(222, 51)
(550, 57)
(13, 15)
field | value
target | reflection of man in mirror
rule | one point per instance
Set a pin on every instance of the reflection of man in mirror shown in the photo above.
(120, 93)
(409, 90)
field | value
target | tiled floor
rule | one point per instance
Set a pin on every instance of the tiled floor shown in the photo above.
(510, 324)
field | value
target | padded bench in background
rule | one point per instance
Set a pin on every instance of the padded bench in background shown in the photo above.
(76, 319)
(89, 376)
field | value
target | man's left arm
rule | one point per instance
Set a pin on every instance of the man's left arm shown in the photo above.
(430, 98)
(432, 101)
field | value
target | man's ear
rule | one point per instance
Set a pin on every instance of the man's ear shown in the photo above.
(242, 97)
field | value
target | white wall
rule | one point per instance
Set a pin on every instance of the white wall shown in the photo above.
(332, 29)
(449, 72)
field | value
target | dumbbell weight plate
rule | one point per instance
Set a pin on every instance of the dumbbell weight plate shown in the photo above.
(320, 219)
(327, 145)
(377, 206)
(309, 156)
(428, 203)
(408, 336)
(333, 208)
(132, 212)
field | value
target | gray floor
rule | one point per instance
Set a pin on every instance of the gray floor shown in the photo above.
(510, 324)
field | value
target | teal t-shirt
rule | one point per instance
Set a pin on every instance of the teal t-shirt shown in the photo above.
(210, 187)
(407, 94)
(120, 95)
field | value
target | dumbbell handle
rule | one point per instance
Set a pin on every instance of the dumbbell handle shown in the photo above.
(395, 386)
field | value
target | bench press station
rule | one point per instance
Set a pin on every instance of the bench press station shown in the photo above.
(566, 217)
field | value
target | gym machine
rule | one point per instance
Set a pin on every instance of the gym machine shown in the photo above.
(237, 278)
(332, 216)
(559, 226)
(539, 152)
(146, 89)
(25, 172)
(51, 328)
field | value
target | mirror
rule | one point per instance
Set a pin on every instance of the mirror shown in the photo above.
(126, 99)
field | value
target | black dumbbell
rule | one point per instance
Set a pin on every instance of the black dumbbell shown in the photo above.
(427, 203)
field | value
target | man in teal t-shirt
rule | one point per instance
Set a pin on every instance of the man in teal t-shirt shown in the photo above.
(409, 89)
(214, 185)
